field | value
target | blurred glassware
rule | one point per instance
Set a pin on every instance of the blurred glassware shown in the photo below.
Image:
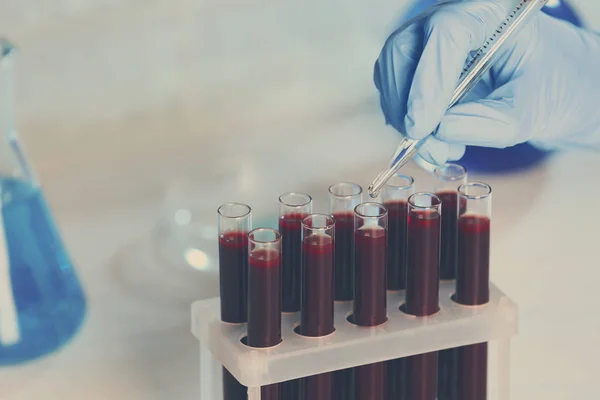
(42, 304)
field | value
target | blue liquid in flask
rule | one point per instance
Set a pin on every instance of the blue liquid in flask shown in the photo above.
(49, 301)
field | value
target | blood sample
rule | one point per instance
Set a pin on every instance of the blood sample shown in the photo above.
(293, 207)
(318, 233)
(319, 387)
(370, 381)
(395, 195)
(264, 295)
(343, 198)
(369, 307)
(448, 178)
(472, 281)
(422, 286)
(235, 221)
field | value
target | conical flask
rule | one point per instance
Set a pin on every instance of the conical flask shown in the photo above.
(41, 301)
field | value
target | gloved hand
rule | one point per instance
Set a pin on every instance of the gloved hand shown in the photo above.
(543, 88)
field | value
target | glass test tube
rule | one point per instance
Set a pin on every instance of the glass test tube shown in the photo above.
(448, 178)
(318, 232)
(343, 198)
(422, 286)
(293, 208)
(235, 221)
(472, 280)
(264, 294)
(395, 195)
(264, 287)
(318, 238)
(369, 309)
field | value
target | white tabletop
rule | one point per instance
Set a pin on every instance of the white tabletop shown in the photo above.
(136, 343)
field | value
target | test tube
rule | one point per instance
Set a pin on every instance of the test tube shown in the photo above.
(343, 198)
(264, 294)
(395, 196)
(422, 286)
(369, 308)
(472, 280)
(293, 208)
(235, 221)
(318, 238)
(448, 178)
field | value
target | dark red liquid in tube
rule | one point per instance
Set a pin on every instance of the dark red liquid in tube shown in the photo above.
(264, 306)
(233, 276)
(343, 380)
(396, 379)
(290, 226)
(447, 359)
(233, 283)
(422, 286)
(472, 281)
(232, 389)
(370, 304)
(319, 387)
(271, 392)
(370, 284)
(264, 298)
(343, 384)
(396, 280)
(344, 256)
(472, 288)
(317, 286)
(422, 296)
(449, 240)
(472, 384)
(422, 376)
(396, 253)
(448, 374)
(371, 382)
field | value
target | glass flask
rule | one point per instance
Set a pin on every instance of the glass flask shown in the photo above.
(41, 301)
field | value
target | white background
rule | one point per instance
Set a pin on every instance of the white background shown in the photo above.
(131, 107)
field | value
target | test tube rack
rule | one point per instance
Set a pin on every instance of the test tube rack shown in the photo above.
(350, 345)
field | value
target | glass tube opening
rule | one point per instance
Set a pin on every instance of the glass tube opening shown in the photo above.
(295, 200)
(475, 190)
(450, 172)
(370, 210)
(345, 189)
(318, 222)
(234, 210)
(264, 235)
(425, 201)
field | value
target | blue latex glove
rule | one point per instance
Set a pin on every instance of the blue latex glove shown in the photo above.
(544, 87)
